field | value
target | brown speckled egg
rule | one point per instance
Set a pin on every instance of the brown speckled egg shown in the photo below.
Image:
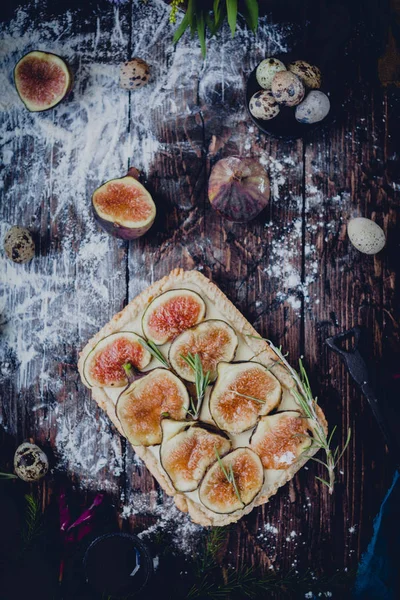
(287, 88)
(30, 462)
(310, 75)
(266, 71)
(134, 74)
(19, 245)
(263, 105)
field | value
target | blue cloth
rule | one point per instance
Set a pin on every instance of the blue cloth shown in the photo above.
(378, 576)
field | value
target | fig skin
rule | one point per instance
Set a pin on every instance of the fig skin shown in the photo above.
(45, 58)
(238, 188)
(119, 230)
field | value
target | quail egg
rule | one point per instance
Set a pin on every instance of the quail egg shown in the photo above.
(134, 74)
(314, 108)
(366, 235)
(30, 462)
(310, 75)
(266, 71)
(263, 105)
(19, 245)
(287, 88)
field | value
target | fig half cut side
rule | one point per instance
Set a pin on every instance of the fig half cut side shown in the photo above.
(104, 365)
(213, 340)
(151, 397)
(280, 439)
(188, 448)
(238, 188)
(171, 313)
(233, 482)
(42, 80)
(123, 207)
(242, 392)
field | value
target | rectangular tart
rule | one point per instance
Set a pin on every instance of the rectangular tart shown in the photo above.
(252, 349)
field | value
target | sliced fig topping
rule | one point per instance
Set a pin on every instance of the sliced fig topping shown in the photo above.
(171, 313)
(280, 439)
(243, 391)
(232, 482)
(104, 365)
(213, 340)
(42, 80)
(124, 208)
(141, 407)
(188, 449)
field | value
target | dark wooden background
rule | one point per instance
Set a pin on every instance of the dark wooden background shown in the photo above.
(357, 159)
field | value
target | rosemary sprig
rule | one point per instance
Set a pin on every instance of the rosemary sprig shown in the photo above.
(230, 476)
(155, 352)
(33, 521)
(201, 382)
(248, 397)
(8, 476)
(305, 399)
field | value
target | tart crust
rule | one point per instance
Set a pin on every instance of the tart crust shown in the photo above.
(263, 353)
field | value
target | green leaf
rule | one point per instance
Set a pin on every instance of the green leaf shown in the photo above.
(191, 13)
(33, 521)
(232, 10)
(252, 14)
(181, 29)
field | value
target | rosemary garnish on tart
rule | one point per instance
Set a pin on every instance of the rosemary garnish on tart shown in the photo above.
(229, 474)
(155, 352)
(201, 382)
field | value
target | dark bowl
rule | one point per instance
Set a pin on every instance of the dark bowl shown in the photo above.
(118, 565)
(284, 125)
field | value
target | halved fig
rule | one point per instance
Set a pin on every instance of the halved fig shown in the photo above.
(243, 391)
(104, 365)
(123, 207)
(171, 313)
(42, 80)
(188, 449)
(213, 340)
(141, 407)
(234, 485)
(280, 439)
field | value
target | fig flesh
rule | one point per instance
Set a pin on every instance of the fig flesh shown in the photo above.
(243, 391)
(143, 404)
(213, 340)
(171, 313)
(188, 449)
(233, 485)
(238, 188)
(280, 439)
(123, 207)
(42, 80)
(104, 365)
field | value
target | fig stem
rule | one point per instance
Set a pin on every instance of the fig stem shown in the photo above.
(131, 372)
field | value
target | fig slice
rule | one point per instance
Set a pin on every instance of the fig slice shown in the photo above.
(188, 449)
(104, 365)
(280, 439)
(232, 482)
(238, 188)
(42, 80)
(213, 340)
(171, 313)
(123, 207)
(242, 392)
(150, 397)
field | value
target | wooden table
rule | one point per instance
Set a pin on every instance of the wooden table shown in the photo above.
(292, 271)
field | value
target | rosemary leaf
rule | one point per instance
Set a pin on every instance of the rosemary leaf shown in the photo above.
(248, 397)
(201, 381)
(230, 476)
(8, 476)
(155, 352)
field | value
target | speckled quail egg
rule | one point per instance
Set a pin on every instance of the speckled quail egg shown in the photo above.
(314, 108)
(263, 105)
(310, 75)
(287, 88)
(30, 462)
(134, 74)
(366, 235)
(19, 245)
(266, 71)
